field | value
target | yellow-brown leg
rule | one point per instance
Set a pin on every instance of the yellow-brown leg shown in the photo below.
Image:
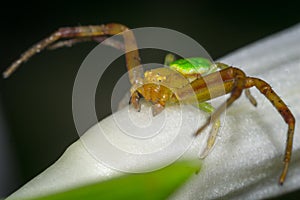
(284, 111)
(235, 81)
(100, 39)
(132, 55)
(207, 107)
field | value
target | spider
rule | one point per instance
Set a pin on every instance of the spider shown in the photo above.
(157, 85)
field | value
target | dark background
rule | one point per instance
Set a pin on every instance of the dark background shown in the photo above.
(37, 99)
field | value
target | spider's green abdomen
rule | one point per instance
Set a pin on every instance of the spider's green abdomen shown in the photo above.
(191, 66)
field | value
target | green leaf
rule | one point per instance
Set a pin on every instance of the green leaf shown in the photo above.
(153, 185)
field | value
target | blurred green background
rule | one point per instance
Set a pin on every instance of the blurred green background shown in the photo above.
(37, 100)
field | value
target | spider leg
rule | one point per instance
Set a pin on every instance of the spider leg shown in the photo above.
(100, 39)
(68, 43)
(250, 97)
(213, 132)
(132, 55)
(234, 82)
(284, 111)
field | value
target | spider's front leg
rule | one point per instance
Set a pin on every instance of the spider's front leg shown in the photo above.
(99, 33)
(82, 33)
(99, 39)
